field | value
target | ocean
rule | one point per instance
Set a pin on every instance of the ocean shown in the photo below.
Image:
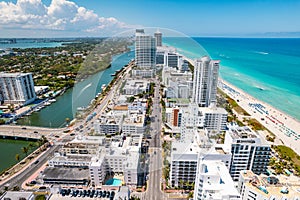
(266, 68)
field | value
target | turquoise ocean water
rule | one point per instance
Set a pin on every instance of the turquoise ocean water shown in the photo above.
(266, 68)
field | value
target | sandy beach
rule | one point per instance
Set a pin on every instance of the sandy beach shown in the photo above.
(285, 127)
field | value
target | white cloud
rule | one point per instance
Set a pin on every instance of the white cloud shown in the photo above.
(62, 15)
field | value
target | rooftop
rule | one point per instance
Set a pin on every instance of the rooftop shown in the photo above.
(222, 184)
(269, 186)
(65, 173)
(241, 132)
(17, 195)
(4, 74)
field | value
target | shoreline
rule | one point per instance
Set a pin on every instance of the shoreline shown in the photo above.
(280, 111)
(282, 125)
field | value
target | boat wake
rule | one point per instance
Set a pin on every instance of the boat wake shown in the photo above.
(261, 52)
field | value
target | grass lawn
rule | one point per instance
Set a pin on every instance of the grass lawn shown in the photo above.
(288, 153)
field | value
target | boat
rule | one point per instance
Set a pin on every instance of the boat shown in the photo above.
(103, 87)
(47, 103)
(81, 108)
(52, 100)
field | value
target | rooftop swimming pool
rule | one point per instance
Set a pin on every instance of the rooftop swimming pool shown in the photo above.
(113, 182)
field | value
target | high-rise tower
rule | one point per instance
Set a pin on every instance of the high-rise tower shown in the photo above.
(145, 50)
(205, 81)
(158, 37)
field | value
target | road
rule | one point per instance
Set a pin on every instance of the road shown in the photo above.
(153, 191)
(32, 168)
(88, 125)
(51, 134)
(22, 176)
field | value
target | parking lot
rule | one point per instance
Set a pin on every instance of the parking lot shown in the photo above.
(84, 194)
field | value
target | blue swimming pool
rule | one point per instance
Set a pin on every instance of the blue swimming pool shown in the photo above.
(113, 182)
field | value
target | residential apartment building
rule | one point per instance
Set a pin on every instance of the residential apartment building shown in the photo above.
(249, 151)
(135, 86)
(205, 81)
(120, 156)
(16, 88)
(109, 124)
(158, 38)
(143, 73)
(215, 119)
(145, 50)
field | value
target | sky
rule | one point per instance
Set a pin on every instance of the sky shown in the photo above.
(73, 18)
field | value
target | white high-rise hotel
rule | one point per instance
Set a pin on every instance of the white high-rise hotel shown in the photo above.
(205, 81)
(17, 88)
(145, 49)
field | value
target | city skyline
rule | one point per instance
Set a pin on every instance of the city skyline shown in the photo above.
(78, 18)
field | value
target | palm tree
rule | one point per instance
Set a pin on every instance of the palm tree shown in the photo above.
(25, 150)
(67, 120)
(17, 157)
(181, 182)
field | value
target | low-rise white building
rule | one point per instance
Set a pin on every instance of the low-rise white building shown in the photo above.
(83, 146)
(134, 124)
(134, 87)
(214, 182)
(262, 187)
(69, 161)
(121, 156)
(138, 105)
(142, 73)
(109, 124)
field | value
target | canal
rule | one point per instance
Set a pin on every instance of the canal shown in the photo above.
(80, 95)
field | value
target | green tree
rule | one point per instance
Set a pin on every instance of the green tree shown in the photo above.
(17, 157)
(25, 150)
(67, 120)
(2, 121)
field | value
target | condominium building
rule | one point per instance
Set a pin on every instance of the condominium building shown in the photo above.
(143, 73)
(134, 123)
(183, 65)
(135, 86)
(178, 84)
(83, 145)
(77, 161)
(205, 81)
(145, 50)
(184, 159)
(171, 59)
(109, 124)
(262, 187)
(176, 117)
(215, 119)
(120, 156)
(249, 151)
(158, 38)
(139, 105)
(214, 182)
(192, 121)
(16, 88)
(185, 156)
